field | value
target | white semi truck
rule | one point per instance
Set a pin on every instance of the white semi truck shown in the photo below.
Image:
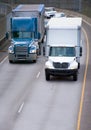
(63, 47)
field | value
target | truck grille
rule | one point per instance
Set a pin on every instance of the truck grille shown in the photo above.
(21, 49)
(60, 65)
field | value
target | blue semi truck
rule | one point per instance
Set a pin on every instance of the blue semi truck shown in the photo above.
(27, 32)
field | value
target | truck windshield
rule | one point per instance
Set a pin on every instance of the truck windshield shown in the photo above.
(17, 34)
(62, 51)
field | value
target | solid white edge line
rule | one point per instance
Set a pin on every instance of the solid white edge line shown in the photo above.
(21, 107)
(2, 38)
(3, 60)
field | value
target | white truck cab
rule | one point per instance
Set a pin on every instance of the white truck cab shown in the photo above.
(63, 48)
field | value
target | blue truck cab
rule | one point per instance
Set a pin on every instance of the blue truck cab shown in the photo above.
(26, 33)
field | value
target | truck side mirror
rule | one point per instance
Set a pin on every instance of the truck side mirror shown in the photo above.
(80, 51)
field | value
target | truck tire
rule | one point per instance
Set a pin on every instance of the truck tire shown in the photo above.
(10, 61)
(34, 61)
(47, 75)
(78, 65)
(75, 77)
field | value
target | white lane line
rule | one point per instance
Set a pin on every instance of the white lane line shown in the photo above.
(2, 38)
(21, 107)
(38, 75)
(4, 60)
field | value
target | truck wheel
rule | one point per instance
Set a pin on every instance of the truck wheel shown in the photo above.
(78, 65)
(47, 75)
(34, 61)
(75, 77)
(10, 61)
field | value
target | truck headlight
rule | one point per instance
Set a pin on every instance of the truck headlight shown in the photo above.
(73, 65)
(11, 49)
(49, 64)
(32, 49)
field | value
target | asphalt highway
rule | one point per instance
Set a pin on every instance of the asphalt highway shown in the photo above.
(28, 101)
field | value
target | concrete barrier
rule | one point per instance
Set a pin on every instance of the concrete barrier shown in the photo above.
(2, 27)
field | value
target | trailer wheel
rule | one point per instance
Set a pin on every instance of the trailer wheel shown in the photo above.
(75, 77)
(47, 75)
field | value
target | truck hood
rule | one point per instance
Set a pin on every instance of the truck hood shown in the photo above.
(62, 59)
(22, 41)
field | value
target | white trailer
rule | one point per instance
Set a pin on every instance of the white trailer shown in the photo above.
(63, 47)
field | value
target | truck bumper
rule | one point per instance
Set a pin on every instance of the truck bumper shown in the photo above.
(28, 57)
(56, 72)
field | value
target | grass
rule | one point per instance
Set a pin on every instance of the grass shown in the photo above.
(87, 11)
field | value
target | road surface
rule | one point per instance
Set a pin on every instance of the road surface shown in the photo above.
(29, 102)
